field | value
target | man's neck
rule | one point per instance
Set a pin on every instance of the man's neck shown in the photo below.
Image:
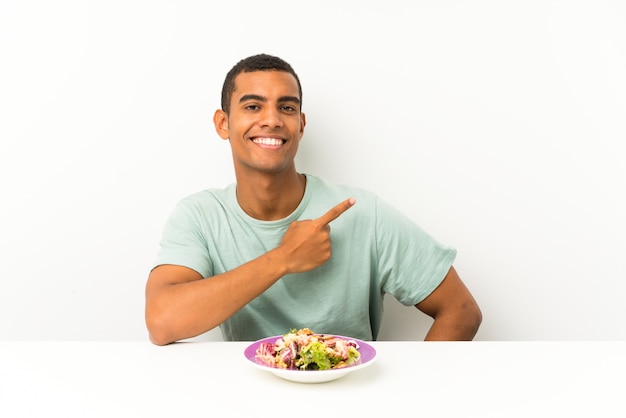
(271, 197)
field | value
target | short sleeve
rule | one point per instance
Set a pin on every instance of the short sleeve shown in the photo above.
(411, 262)
(183, 242)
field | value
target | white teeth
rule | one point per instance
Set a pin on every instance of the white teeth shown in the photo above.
(268, 141)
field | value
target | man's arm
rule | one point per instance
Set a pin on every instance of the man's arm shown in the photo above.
(456, 313)
(180, 304)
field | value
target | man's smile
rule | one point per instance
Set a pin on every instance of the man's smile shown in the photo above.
(272, 142)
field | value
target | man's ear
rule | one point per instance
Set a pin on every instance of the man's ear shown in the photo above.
(220, 120)
(302, 123)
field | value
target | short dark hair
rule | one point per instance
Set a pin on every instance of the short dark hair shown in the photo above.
(260, 62)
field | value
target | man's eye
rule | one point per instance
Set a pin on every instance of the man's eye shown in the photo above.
(289, 109)
(252, 107)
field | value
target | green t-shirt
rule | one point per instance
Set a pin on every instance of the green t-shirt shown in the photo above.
(376, 250)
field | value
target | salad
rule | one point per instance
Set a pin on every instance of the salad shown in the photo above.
(304, 350)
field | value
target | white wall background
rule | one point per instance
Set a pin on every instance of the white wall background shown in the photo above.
(499, 127)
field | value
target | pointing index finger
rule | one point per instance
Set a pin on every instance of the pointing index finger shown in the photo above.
(336, 211)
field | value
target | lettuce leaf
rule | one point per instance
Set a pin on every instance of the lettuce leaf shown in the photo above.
(314, 357)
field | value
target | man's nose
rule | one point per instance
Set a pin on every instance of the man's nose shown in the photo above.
(271, 118)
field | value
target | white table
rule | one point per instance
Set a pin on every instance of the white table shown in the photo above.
(479, 379)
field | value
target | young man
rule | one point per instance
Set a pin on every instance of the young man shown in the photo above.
(280, 249)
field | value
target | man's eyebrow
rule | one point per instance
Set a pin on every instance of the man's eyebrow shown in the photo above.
(258, 98)
(289, 99)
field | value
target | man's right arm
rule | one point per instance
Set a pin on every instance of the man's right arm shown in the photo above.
(181, 304)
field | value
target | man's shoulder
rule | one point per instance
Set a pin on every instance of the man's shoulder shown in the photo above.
(206, 198)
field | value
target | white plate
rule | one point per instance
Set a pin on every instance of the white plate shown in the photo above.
(368, 355)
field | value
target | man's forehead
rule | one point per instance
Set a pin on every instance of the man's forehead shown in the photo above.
(255, 81)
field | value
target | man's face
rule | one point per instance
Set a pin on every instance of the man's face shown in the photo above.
(265, 124)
